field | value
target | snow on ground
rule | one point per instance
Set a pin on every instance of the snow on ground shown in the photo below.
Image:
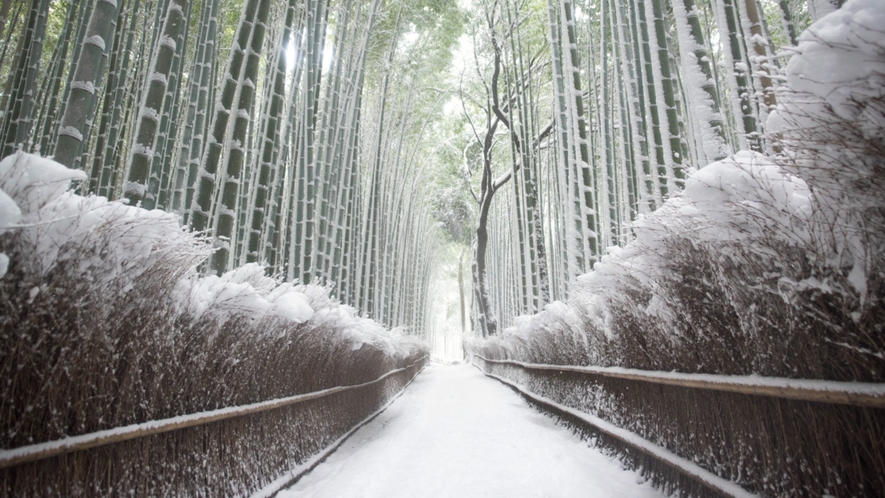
(457, 433)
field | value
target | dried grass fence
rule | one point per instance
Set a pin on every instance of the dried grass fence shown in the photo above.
(120, 372)
(226, 452)
(786, 439)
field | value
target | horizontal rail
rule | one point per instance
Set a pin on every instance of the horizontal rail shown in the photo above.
(865, 394)
(684, 466)
(40, 451)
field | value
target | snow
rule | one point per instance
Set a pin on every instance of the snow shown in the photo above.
(293, 306)
(86, 86)
(556, 316)
(165, 40)
(109, 240)
(457, 433)
(31, 181)
(135, 188)
(725, 381)
(151, 114)
(243, 290)
(96, 40)
(748, 181)
(742, 201)
(832, 120)
(841, 59)
(10, 214)
(158, 76)
(226, 295)
(71, 131)
(9, 211)
(113, 244)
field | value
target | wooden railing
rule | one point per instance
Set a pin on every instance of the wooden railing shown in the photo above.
(24, 454)
(823, 391)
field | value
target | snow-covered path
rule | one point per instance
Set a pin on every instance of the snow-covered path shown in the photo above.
(457, 433)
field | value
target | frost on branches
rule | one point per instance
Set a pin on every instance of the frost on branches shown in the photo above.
(831, 126)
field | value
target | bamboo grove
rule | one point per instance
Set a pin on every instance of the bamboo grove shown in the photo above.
(593, 112)
(277, 128)
(337, 141)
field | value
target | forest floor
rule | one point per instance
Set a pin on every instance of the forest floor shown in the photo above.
(457, 433)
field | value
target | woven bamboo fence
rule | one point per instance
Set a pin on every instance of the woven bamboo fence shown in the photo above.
(228, 452)
(770, 436)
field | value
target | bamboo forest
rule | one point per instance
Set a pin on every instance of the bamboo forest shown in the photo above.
(336, 142)
(220, 204)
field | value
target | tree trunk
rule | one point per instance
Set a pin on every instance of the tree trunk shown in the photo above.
(760, 47)
(136, 186)
(789, 25)
(487, 320)
(461, 298)
(227, 210)
(87, 79)
(207, 178)
(18, 116)
(730, 24)
(695, 59)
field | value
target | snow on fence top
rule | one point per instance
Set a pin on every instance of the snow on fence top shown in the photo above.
(867, 394)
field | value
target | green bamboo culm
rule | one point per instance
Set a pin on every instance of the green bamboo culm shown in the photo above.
(142, 152)
(17, 120)
(227, 209)
(87, 78)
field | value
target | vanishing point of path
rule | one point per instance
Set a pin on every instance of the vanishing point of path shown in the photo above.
(456, 433)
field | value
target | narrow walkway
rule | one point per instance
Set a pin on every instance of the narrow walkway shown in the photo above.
(457, 433)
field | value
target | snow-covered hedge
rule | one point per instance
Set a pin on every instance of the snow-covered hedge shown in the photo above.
(105, 321)
(766, 265)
